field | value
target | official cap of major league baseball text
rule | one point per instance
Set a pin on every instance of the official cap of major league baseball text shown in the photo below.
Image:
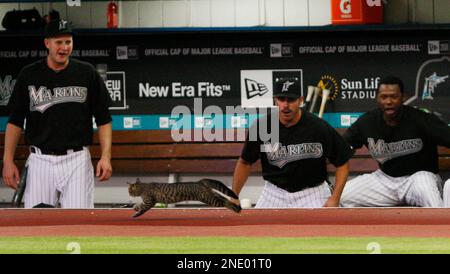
(287, 87)
(57, 27)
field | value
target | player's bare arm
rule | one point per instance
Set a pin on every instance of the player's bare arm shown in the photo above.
(104, 168)
(240, 176)
(11, 174)
(341, 179)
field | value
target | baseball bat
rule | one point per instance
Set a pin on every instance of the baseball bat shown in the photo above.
(314, 99)
(325, 94)
(308, 97)
(18, 194)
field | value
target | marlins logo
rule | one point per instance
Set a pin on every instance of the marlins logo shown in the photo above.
(43, 98)
(286, 85)
(62, 25)
(430, 84)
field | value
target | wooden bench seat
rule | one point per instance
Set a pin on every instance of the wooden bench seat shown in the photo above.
(151, 152)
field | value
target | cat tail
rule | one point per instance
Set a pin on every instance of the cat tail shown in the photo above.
(218, 185)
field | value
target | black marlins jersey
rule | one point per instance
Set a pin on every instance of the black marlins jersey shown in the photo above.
(404, 149)
(59, 106)
(299, 159)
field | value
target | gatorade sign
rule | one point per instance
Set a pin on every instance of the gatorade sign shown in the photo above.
(347, 12)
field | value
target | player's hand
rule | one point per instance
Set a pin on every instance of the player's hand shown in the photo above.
(104, 169)
(11, 175)
(332, 202)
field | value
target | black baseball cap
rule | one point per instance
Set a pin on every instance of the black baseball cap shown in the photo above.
(287, 87)
(57, 27)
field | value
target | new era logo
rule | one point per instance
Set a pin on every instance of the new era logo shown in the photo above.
(433, 47)
(254, 88)
(127, 52)
(281, 50)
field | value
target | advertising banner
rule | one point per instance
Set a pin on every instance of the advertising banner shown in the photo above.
(149, 74)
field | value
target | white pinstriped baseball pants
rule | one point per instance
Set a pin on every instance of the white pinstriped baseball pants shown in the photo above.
(447, 193)
(67, 178)
(377, 189)
(275, 197)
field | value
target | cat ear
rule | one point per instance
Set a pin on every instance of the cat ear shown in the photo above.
(128, 183)
(138, 180)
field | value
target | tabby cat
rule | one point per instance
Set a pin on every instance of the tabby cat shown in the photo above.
(204, 191)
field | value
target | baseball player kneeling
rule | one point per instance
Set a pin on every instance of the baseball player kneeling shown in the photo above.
(403, 140)
(295, 167)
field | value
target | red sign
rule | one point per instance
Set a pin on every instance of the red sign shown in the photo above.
(348, 12)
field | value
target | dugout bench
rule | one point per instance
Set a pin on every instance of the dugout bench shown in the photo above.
(155, 152)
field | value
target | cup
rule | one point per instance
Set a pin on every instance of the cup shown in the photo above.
(246, 203)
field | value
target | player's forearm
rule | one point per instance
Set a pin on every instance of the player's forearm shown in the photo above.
(241, 174)
(341, 179)
(12, 136)
(105, 138)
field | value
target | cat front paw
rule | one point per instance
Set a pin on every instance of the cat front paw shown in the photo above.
(139, 213)
(137, 207)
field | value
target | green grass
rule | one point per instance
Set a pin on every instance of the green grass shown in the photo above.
(220, 245)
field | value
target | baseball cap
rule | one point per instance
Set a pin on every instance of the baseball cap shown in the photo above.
(287, 87)
(57, 27)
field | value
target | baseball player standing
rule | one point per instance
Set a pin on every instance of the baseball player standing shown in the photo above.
(295, 169)
(403, 140)
(58, 97)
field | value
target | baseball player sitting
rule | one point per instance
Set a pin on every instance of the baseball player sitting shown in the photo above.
(403, 140)
(58, 96)
(295, 168)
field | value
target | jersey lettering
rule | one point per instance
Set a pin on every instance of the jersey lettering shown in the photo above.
(382, 151)
(43, 98)
(285, 154)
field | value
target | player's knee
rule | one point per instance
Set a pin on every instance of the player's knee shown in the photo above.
(424, 176)
(446, 194)
(447, 186)
(426, 179)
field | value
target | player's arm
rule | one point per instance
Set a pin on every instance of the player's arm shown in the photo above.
(241, 174)
(104, 168)
(341, 179)
(11, 174)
